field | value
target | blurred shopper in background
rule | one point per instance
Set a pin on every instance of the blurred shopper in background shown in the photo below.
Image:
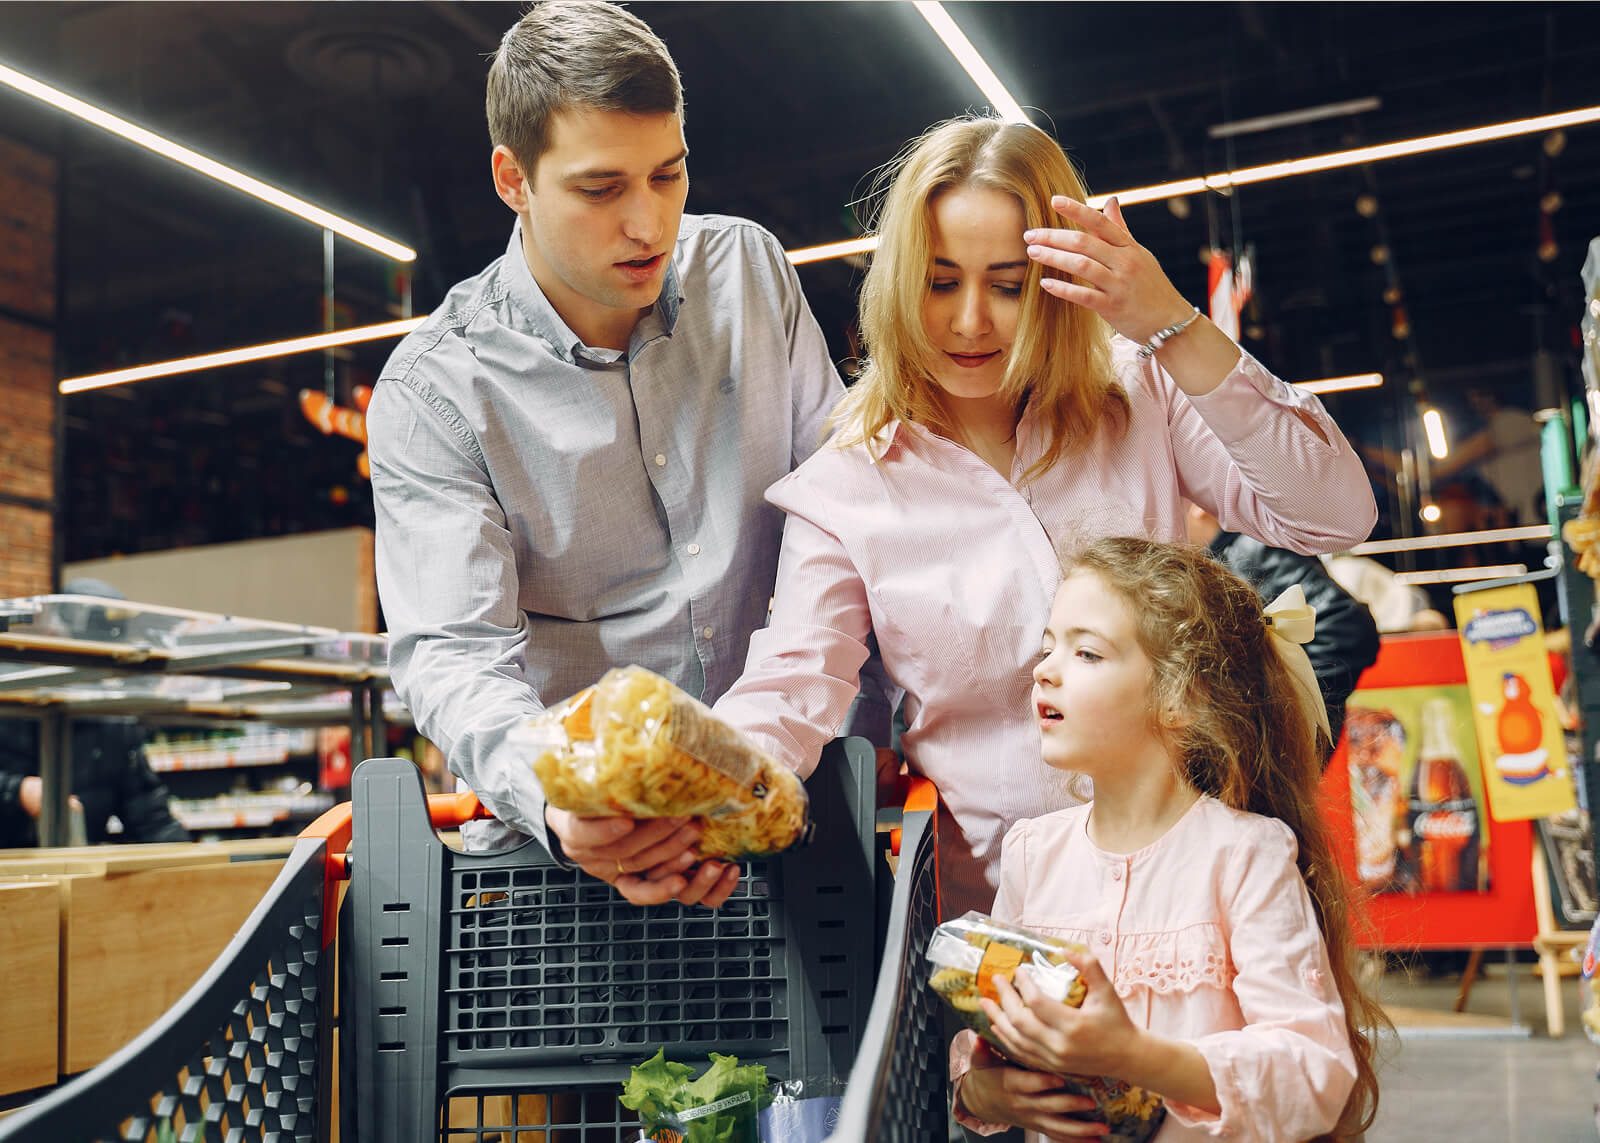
(119, 797)
(1346, 640)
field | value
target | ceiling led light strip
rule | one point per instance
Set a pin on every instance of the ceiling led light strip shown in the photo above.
(209, 167)
(1526, 534)
(1341, 384)
(1462, 575)
(239, 356)
(969, 58)
(1305, 166)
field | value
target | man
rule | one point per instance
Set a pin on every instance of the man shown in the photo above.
(1346, 640)
(569, 455)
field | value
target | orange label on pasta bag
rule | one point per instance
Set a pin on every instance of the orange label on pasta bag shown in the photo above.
(578, 721)
(998, 960)
(694, 730)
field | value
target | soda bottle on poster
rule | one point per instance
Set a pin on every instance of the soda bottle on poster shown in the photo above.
(1444, 813)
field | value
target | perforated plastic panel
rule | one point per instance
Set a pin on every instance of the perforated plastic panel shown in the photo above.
(546, 958)
(896, 1092)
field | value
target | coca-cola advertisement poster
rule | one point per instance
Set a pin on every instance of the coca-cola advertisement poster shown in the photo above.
(1416, 791)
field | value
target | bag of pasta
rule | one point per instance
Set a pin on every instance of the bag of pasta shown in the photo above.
(967, 955)
(633, 745)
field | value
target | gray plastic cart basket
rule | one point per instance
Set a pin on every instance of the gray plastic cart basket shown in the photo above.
(502, 997)
(897, 1090)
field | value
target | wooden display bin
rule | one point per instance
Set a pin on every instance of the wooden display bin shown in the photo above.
(97, 942)
(30, 965)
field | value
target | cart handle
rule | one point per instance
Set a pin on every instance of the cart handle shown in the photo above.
(922, 796)
(445, 811)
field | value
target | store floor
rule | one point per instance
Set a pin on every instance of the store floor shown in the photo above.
(1468, 1079)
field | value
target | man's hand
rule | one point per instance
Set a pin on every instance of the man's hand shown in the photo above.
(31, 795)
(649, 861)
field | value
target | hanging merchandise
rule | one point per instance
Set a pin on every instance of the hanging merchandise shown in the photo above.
(336, 419)
(1513, 698)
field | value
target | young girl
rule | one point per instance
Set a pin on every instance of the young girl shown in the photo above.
(995, 418)
(1220, 973)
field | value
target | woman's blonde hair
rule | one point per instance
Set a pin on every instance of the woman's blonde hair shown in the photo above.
(1243, 738)
(1061, 358)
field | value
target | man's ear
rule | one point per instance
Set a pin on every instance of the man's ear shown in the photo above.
(513, 186)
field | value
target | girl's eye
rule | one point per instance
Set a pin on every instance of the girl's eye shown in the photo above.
(1009, 289)
(1088, 656)
(942, 286)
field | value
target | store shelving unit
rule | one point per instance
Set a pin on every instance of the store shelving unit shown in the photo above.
(65, 657)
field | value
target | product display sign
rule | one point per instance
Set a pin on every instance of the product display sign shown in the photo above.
(1416, 791)
(1513, 696)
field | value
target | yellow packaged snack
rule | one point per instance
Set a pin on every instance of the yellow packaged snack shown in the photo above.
(635, 745)
(968, 954)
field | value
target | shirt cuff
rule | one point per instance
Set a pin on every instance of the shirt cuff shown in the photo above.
(961, 1049)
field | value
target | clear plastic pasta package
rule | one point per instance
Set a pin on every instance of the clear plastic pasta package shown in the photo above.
(1591, 984)
(967, 954)
(635, 745)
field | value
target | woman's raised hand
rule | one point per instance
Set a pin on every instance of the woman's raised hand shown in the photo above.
(1115, 276)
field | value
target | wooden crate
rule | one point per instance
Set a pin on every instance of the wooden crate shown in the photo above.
(133, 943)
(30, 945)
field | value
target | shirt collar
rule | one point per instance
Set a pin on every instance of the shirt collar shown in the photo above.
(549, 325)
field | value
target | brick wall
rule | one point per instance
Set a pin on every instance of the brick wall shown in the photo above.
(27, 368)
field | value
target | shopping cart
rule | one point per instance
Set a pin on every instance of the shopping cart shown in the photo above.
(503, 997)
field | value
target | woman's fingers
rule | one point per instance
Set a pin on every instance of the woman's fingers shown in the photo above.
(1108, 225)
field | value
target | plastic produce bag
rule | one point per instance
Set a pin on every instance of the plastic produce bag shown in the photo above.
(802, 1111)
(1591, 984)
(720, 1106)
(968, 953)
(635, 745)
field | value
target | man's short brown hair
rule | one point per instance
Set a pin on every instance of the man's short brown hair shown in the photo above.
(575, 53)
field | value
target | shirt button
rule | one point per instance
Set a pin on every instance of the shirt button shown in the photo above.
(707, 632)
(1105, 938)
(661, 460)
(693, 549)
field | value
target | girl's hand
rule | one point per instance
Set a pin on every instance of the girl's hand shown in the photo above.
(1116, 277)
(997, 1093)
(1097, 1039)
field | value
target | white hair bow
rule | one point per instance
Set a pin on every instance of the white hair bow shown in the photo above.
(1292, 622)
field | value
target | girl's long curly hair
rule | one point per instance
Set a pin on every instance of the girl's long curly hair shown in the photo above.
(1243, 738)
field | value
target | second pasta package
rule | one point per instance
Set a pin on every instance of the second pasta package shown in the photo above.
(635, 745)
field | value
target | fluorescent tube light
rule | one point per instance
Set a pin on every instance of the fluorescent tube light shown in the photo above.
(238, 356)
(832, 250)
(1340, 384)
(1522, 534)
(1433, 425)
(1317, 163)
(1462, 575)
(1291, 118)
(967, 56)
(206, 166)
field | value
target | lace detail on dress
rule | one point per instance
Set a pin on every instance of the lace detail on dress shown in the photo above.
(1176, 962)
(1165, 963)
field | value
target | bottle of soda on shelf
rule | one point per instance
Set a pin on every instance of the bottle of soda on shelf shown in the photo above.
(1444, 812)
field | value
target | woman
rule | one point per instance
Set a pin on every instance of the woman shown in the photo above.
(1033, 379)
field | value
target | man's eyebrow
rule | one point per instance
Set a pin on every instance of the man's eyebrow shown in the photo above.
(992, 265)
(580, 176)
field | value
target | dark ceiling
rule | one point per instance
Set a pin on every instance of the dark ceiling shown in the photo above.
(374, 110)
